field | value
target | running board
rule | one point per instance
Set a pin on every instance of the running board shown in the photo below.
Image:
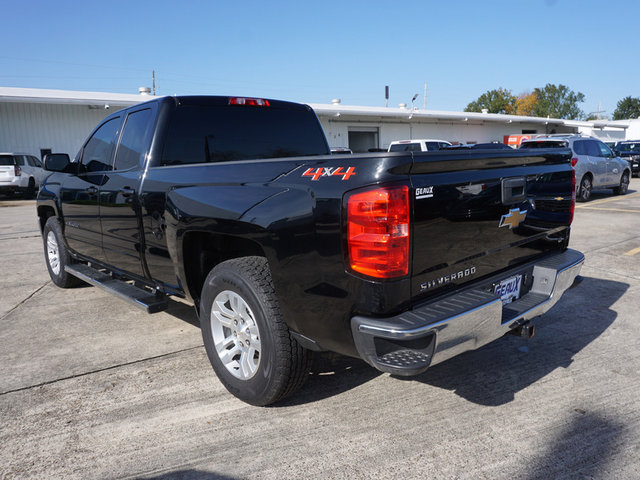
(139, 297)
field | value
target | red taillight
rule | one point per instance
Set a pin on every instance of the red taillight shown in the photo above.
(17, 171)
(252, 102)
(573, 195)
(378, 232)
(574, 160)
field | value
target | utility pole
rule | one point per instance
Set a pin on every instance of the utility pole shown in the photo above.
(153, 81)
(424, 99)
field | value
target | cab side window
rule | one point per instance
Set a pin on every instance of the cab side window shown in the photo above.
(98, 151)
(134, 140)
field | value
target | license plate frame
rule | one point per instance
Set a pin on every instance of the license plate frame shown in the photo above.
(509, 289)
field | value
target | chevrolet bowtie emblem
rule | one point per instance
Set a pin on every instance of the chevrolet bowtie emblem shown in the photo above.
(512, 219)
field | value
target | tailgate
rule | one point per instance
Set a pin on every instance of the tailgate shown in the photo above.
(7, 172)
(478, 214)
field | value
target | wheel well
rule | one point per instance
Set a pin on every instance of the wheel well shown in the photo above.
(202, 251)
(43, 215)
(588, 174)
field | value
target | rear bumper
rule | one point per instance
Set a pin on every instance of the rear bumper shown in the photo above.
(407, 344)
(13, 183)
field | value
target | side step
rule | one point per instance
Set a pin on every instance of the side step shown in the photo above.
(139, 297)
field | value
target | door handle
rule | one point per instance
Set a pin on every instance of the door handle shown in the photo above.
(127, 191)
(92, 190)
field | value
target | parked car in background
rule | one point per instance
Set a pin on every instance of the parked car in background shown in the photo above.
(482, 146)
(418, 145)
(595, 164)
(341, 151)
(20, 172)
(630, 151)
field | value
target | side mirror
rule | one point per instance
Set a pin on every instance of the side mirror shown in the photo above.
(57, 162)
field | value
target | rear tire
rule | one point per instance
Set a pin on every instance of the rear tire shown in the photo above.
(30, 192)
(624, 185)
(248, 343)
(584, 194)
(57, 256)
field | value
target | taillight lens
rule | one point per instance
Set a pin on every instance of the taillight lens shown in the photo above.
(378, 232)
(574, 160)
(17, 171)
(253, 102)
(573, 195)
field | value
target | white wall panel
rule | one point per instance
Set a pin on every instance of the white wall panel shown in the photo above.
(29, 127)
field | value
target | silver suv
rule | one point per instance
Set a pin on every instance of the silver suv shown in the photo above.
(595, 164)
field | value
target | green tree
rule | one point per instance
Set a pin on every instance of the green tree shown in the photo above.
(558, 101)
(628, 107)
(499, 100)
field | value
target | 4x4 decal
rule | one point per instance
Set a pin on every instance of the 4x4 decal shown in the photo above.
(316, 173)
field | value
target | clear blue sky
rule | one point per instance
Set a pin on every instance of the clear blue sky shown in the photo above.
(313, 51)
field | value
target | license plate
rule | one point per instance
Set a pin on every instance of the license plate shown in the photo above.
(509, 289)
(635, 164)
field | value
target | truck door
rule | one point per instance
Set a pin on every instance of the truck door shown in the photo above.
(119, 196)
(79, 192)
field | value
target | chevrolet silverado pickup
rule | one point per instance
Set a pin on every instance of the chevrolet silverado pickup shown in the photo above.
(403, 259)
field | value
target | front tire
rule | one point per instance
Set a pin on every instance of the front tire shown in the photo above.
(624, 185)
(586, 186)
(56, 255)
(247, 341)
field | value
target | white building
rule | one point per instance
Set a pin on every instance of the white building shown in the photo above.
(39, 121)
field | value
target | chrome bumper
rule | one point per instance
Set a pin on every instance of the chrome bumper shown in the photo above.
(407, 344)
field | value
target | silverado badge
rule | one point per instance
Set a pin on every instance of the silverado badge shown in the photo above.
(512, 219)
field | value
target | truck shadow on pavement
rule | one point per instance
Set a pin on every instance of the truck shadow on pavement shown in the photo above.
(493, 374)
(584, 448)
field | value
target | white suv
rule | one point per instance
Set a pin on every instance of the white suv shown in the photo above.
(420, 145)
(20, 172)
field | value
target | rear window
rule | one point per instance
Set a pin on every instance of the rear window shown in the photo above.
(406, 147)
(544, 144)
(6, 160)
(204, 134)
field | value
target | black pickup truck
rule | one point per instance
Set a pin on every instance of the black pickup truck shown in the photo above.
(402, 259)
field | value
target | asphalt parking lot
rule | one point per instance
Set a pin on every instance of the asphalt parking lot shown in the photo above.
(92, 388)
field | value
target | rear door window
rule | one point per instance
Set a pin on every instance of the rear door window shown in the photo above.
(593, 149)
(133, 141)
(20, 160)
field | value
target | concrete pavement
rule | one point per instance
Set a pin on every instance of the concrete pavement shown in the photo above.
(93, 388)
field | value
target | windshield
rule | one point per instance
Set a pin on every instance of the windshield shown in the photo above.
(629, 147)
(544, 144)
(6, 160)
